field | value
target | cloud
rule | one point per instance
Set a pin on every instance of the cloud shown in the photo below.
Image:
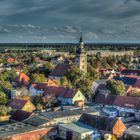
(64, 19)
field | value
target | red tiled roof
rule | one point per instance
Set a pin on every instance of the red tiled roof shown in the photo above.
(132, 76)
(105, 99)
(20, 115)
(104, 123)
(61, 91)
(60, 70)
(40, 86)
(126, 101)
(43, 86)
(17, 103)
(38, 134)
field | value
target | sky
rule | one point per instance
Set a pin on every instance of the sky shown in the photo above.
(62, 20)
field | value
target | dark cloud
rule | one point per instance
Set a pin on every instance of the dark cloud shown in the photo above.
(62, 20)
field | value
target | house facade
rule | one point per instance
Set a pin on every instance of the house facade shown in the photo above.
(104, 125)
(24, 105)
(128, 107)
(39, 88)
(73, 131)
(64, 95)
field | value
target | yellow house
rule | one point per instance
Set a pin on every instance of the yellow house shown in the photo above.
(25, 105)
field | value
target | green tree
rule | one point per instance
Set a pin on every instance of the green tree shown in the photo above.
(64, 81)
(4, 110)
(84, 85)
(3, 98)
(38, 101)
(6, 86)
(39, 107)
(79, 80)
(93, 73)
(116, 87)
(38, 78)
(69, 84)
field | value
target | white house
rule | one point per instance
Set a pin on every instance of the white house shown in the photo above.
(111, 111)
(64, 95)
(96, 84)
(39, 88)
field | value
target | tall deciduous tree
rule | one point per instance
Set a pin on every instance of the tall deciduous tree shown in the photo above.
(93, 73)
(38, 78)
(116, 87)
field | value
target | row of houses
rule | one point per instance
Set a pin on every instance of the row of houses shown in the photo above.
(69, 123)
(123, 106)
(63, 95)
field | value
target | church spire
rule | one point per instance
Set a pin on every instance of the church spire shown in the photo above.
(81, 57)
(81, 38)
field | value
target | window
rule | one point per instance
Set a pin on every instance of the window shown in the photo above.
(82, 66)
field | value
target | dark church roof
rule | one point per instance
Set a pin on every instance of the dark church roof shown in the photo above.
(126, 80)
(60, 70)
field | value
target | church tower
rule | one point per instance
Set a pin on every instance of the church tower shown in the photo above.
(81, 56)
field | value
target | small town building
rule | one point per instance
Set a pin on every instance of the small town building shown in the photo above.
(12, 60)
(59, 60)
(73, 131)
(59, 71)
(24, 105)
(97, 83)
(39, 88)
(102, 89)
(128, 81)
(20, 115)
(126, 104)
(110, 111)
(130, 72)
(21, 131)
(23, 79)
(20, 92)
(68, 115)
(105, 99)
(104, 125)
(64, 95)
(37, 121)
(133, 132)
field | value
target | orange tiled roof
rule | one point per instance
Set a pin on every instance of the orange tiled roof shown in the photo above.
(11, 60)
(23, 78)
